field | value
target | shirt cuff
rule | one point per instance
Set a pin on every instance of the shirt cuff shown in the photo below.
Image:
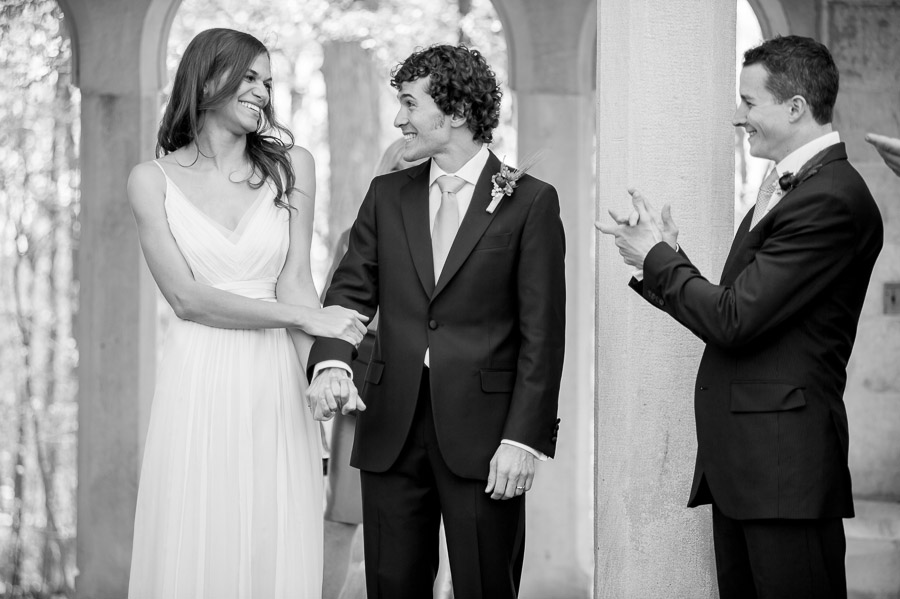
(533, 452)
(330, 364)
(638, 273)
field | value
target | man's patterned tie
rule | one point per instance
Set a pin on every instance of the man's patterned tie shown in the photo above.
(764, 195)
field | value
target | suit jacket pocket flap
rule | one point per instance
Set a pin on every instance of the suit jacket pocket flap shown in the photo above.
(373, 374)
(498, 381)
(492, 242)
(766, 397)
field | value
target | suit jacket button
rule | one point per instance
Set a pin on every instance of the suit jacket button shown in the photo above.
(432, 324)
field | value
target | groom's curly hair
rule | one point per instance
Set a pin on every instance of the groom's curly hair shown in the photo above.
(460, 82)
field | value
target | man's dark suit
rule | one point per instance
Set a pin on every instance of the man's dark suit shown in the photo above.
(772, 430)
(494, 326)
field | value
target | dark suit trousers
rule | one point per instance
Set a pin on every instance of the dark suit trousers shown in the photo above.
(401, 515)
(779, 558)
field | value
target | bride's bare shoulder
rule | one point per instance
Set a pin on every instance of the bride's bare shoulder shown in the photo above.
(301, 158)
(304, 166)
(146, 177)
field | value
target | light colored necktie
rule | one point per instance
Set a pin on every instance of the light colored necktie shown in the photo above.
(446, 221)
(765, 194)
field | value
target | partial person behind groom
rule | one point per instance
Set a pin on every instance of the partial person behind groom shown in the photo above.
(463, 385)
(888, 148)
(772, 433)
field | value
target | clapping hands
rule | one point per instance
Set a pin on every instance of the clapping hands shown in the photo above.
(636, 233)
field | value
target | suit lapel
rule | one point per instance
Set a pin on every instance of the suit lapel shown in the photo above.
(736, 244)
(414, 208)
(473, 225)
(836, 152)
(807, 171)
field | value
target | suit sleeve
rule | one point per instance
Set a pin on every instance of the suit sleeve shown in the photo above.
(806, 251)
(637, 285)
(354, 284)
(541, 292)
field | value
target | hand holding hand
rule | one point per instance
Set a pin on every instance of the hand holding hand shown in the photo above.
(889, 148)
(338, 323)
(511, 473)
(331, 390)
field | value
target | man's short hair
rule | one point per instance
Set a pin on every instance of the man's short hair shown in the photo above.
(798, 66)
(460, 82)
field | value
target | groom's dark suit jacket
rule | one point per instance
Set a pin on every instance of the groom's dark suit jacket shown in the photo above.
(494, 322)
(771, 423)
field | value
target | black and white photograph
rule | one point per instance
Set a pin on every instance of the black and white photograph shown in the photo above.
(449, 299)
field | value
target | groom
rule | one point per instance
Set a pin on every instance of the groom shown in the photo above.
(463, 385)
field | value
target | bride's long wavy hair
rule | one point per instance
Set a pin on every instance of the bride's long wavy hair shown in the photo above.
(218, 59)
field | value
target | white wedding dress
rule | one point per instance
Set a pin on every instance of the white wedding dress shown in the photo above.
(230, 498)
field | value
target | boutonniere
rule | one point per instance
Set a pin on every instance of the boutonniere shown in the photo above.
(505, 181)
(789, 180)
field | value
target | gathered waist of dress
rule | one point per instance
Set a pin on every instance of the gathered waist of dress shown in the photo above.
(261, 289)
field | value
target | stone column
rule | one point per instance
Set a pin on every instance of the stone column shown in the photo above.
(552, 52)
(117, 310)
(665, 98)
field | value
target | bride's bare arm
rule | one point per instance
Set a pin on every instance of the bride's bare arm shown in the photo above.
(295, 283)
(204, 304)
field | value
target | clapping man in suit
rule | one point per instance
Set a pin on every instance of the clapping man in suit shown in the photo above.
(772, 435)
(462, 388)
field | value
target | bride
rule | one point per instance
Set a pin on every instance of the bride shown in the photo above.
(230, 497)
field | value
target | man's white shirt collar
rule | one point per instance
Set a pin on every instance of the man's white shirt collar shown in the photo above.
(469, 172)
(794, 161)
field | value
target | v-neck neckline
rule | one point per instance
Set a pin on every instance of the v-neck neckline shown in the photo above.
(232, 235)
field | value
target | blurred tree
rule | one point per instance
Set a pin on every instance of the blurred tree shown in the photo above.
(38, 233)
(354, 131)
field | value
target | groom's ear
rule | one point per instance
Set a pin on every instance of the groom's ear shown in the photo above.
(458, 120)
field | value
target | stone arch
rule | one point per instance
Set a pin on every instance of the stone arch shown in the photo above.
(161, 13)
(587, 49)
(71, 26)
(771, 16)
(519, 46)
(550, 57)
(154, 38)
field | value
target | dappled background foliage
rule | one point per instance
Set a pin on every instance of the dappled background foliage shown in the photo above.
(38, 298)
